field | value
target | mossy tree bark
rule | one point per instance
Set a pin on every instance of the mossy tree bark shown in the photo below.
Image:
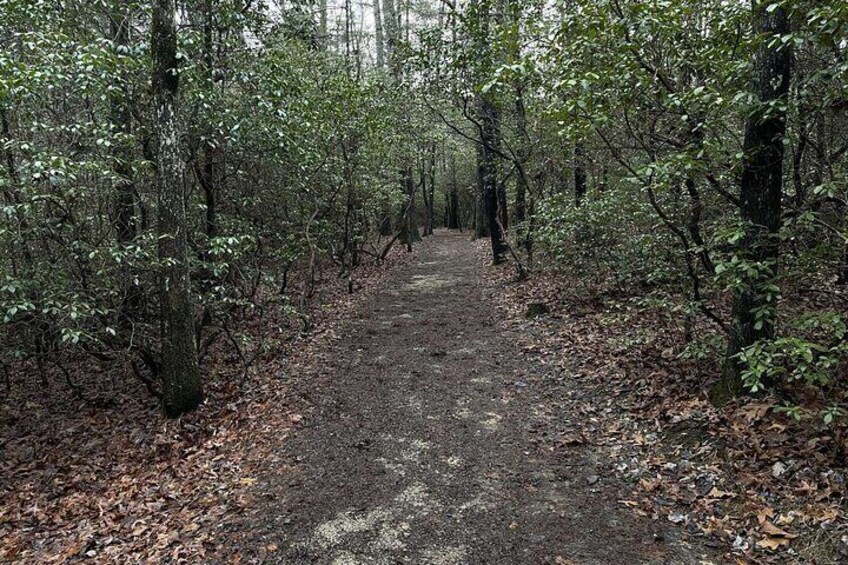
(181, 387)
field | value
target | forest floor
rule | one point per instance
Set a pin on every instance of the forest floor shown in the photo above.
(428, 436)
(426, 419)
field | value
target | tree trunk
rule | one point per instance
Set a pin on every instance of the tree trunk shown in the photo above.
(488, 171)
(521, 180)
(126, 229)
(453, 198)
(579, 173)
(410, 233)
(391, 25)
(761, 187)
(481, 224)
(322, 22)
(211, 173)
(431, 213)
(425, 194)
(181, 385)
(378, 36)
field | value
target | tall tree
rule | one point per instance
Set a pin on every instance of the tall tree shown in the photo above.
(180, 374)
(379, 42)
(322, 22)
(392, 28)
(487, 113)
(488, 119)
(120, 116)
(453, 220)
(761, 189)
(211, 173)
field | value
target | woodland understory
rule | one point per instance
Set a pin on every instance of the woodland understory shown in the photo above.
(750, 478)
(198, 196)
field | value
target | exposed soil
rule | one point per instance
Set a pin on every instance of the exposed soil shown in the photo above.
(420, 443)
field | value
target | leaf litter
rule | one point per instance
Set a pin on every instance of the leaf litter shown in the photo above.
(765, 488)
(113, 481)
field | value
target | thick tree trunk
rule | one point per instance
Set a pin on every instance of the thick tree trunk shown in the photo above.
(761, 187)
(181, 385)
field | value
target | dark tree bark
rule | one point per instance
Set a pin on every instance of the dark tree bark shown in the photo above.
(579, 173)
(409, 229)
(488, 172)
(126, 229)
(761, 187)
(431, 191)
(181, 387)
(425, 194)
(453, 198)
(521, 187)
(481, 224)
(213, 154)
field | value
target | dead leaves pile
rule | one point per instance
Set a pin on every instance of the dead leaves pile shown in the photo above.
(121, 484)
(765, 488)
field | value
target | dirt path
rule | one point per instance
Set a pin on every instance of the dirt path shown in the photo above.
(417, 445)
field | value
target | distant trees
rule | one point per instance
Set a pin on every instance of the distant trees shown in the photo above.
(143, 222)
(621, 142)
(636, 153)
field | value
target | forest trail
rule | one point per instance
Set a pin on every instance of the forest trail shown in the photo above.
(417, 445)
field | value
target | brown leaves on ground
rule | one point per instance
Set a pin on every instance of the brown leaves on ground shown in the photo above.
(115, 482)
(769, 489)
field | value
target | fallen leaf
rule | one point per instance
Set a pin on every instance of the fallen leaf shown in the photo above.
(715, 492)
(773, 543)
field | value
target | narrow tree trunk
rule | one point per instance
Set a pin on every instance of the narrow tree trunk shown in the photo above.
(322, 22)
(453, 197)
(488, 171)
(410, 233)
(378, 35)
(425, 194)
(392, 30)
(481, 224)
(579, 173)
(180, 374)
(431, 214)
(12, 194)
(212, 152)
(761, 187)
(126, 229)
(521, 180)
(347, 35)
